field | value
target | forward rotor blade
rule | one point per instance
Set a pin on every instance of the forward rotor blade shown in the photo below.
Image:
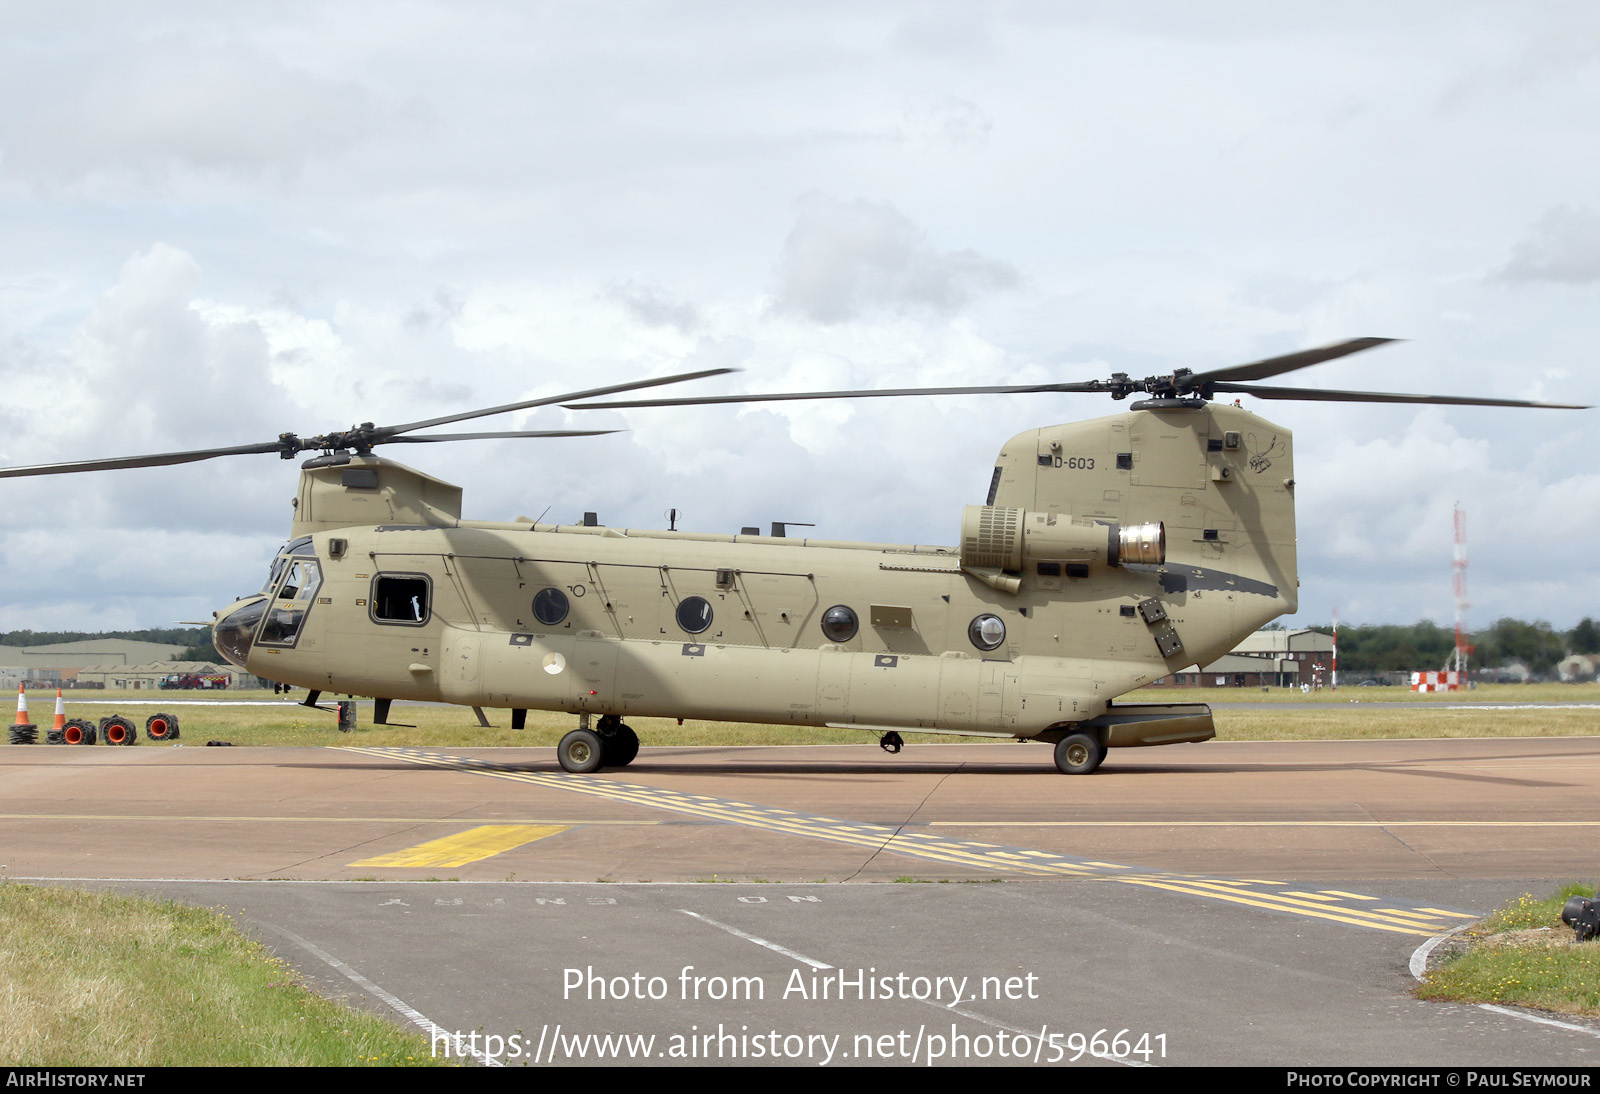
(1319, 395)
(163, 459)
(390, 431)
(431, 438)
(1277, 366)
(864, 393)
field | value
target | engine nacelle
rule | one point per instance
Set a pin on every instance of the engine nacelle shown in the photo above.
(997, 543)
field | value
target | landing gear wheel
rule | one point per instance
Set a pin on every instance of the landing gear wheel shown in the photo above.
(581, 751)
(1078, 754)
(621, 747)
(891, 742)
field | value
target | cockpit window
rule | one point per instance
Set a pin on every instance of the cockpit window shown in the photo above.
(274, 574)
(300, 546)
(401, 598)
(296, 593)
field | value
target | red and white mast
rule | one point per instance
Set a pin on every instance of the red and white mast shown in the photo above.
(1335, 676)
(1463, 651)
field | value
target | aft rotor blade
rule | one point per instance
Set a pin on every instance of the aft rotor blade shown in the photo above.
(863, 393)
(163, 459)
(388, 432)
(1319, 395)
(431, 438)
(1277, 366)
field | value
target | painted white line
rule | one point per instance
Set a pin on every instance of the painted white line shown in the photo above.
(185, 703)
(1419, 968)
(414, 1016)
(951, 1007)
(1538, 1018)
(773, 946)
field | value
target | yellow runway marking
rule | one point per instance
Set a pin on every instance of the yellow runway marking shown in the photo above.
(464, 847)
(1332, 905)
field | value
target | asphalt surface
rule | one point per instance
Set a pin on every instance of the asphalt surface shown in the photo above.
(1220, 903)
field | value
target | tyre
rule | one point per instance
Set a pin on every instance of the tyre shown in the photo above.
(117, 730)
(581, 752)
(161, 727)
(621, 747)
(1078, 754)
(80, 731)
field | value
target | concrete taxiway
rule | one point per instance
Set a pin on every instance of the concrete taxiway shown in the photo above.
(1244, 903)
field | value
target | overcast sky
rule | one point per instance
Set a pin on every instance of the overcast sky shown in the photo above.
(223, 222)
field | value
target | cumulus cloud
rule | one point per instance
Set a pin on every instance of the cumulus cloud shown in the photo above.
(843, 259)
(1563, 246)
(152, 363)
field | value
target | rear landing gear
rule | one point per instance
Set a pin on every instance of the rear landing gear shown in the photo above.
(1079, 754)
(891, 742)
(620, 747)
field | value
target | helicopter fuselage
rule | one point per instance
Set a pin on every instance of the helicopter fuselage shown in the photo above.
(1110, 553)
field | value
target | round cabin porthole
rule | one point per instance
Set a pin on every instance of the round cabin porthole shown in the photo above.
(694, 614)
(987, 632)
(550, 606)
(840, 624)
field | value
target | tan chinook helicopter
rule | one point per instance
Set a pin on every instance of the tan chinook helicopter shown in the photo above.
(1109, 553)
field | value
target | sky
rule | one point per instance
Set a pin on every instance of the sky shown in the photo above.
(219, 223)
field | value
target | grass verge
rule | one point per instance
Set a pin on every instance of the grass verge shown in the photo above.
(94, 979)
(253, 718)
(1525, 956)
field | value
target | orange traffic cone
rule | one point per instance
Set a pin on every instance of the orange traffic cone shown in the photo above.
(23, 732)
(61, 713)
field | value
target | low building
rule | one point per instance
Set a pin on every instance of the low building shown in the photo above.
(1237, 671)
(175, 675)
(1282, 659)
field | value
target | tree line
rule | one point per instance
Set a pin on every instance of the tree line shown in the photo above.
(1388, 647)
(196, 641)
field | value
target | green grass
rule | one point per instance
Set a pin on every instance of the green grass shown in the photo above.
(1525, 956)
(94, 979)
(1250, 715)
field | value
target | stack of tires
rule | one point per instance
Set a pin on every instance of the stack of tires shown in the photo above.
(117, 730)
(161, 727)
(80, 731)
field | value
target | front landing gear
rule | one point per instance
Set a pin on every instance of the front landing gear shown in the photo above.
(580, 752)
(1079, 754)
(891, 742)
(609, 744)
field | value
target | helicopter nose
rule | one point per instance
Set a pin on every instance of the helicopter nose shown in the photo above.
(234, 632)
